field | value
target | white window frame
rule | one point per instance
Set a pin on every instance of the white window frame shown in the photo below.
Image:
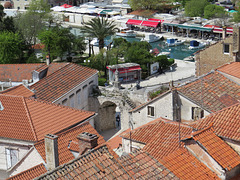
(224, 48)
(11, 157)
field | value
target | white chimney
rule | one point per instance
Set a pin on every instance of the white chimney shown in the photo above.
(51, 150)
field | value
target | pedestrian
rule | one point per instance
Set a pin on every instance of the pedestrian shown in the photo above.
(118, 120)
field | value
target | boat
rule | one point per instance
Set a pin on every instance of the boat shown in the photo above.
(164, 53)
(126, 33)
(189, 58)
(174, 42)
(151, 38)
(196, 45)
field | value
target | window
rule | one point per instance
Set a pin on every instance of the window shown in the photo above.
(197, 113)
(72, 102)
(226, 48)
(12, 157)
(64, 102)
(150, 111)
(90, 82)
(78, 96)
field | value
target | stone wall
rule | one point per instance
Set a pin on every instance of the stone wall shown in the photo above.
(213, 56)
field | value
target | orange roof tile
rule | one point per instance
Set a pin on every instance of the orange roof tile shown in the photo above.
(225, 122)
(55, 85)
(19, 72)
(29, 119)
(19, 90)
(117, 140)
(231, 69)
(143, 166)
(65, 138)
(97, 164)
(212, 91)
(217, 149)
(186, 166)
(160, 136)
(30, 173)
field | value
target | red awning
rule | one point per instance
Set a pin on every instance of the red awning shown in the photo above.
(150, 23)
(134, 22)
(130, 69)
(219, 30)
(153, 19)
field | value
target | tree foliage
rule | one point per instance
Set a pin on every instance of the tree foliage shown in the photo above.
(195, 8)
(236, 16)
(10, 47)
(99, 28)
(148, 5)
(213, 10)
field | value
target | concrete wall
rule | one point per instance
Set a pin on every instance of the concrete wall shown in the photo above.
(162, 108)
(78, 96)
(234, 144)
(213, 56)
(22, 148)
(186, 109)
(126, 145)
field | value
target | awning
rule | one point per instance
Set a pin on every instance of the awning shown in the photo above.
(198, 28)
(153, 19)
(220, 30)
(106, 11)
(150, 23)
(134, 22)
(129, 70)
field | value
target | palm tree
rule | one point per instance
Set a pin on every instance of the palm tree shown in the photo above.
(99, 28)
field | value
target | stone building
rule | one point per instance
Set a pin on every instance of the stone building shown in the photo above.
(218, 54)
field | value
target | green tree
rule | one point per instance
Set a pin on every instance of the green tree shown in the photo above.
(120, 46)
(163, 61)
(148, 5)
(213, 10)
(99, 28)
(236, 16)
(6, 23)
(10, 47)
(195, 8)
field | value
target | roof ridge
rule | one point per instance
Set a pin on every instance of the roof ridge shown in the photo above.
(66, 64)
(29, 118)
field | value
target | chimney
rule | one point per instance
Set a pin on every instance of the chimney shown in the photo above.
(86, 141)
(224, 32)
(51, 150)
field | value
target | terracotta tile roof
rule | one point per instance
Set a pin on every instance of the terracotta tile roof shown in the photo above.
(217, 149)
(143, 166)
(214, 91)
(231, 69)
(225, 122)
(160, 136)
(97, 164)
(19, 90)
(186, 166)
(30, 173)
(117, 140)
(38, 46)
(29, 119)
(54, 86)
(19, 72)
(64, 140)
(150, 101)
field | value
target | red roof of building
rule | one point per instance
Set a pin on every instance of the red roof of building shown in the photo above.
(61, 81)
(19, 90)
(225, 122)
(161, 136)
(19, 72)
(103, 163)
(185, 166)
(65, 139)
(212, 91)
(117, 140)
(28, 119)
(30, 173)
(142, 165)
(231, 69)
(223, 154)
